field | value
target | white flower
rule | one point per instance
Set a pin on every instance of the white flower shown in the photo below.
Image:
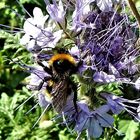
(36, 36)
(25, 39)
(33, 26)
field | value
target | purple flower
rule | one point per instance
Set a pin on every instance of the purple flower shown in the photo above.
(33, 25)
(112, 58)
(43, 100)
(93, 121)
(56, 11)
(37, 77)
(82, 8)
(106, 5)
(103, 77)
(113, 103)
(118, 104)
(74, 51)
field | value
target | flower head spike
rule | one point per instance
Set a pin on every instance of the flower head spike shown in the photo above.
(111, 55)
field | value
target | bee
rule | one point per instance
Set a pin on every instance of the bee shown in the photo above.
(60, 86)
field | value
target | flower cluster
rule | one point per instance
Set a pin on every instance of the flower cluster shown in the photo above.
(102, 42)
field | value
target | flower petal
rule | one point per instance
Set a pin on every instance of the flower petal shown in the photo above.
(94, 129)
(103, 77)
(105, 120)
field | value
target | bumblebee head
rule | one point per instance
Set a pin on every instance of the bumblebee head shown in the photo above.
(62, 63)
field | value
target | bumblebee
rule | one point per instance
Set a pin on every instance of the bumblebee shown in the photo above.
(60, 85)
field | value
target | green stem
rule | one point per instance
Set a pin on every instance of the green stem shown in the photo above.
(135, 11)
(66, 33)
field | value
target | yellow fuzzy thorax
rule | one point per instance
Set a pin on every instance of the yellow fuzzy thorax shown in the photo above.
(62, 57)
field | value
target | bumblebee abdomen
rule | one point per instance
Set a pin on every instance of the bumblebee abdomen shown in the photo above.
(60, 93)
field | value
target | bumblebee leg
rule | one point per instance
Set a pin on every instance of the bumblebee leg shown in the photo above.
(74, 88)
(74, 102)
(42, 82)
(40, 85)
(49, 71)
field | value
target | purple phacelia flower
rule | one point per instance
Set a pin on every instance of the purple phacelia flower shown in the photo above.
(82, 8)
(108, 45)
(118, 104)
(43, 100)
(56, 11)
(100, 44)
(93, 121)
(87, 120)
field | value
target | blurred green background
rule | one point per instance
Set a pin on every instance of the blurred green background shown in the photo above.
(15, 124)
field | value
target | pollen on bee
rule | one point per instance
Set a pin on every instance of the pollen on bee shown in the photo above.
(48, 95)
(50, 83)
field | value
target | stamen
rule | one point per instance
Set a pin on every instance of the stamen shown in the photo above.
(41, 115)
(25, 101)
(32, 108)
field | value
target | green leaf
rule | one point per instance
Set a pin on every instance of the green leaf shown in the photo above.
(128, 128)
